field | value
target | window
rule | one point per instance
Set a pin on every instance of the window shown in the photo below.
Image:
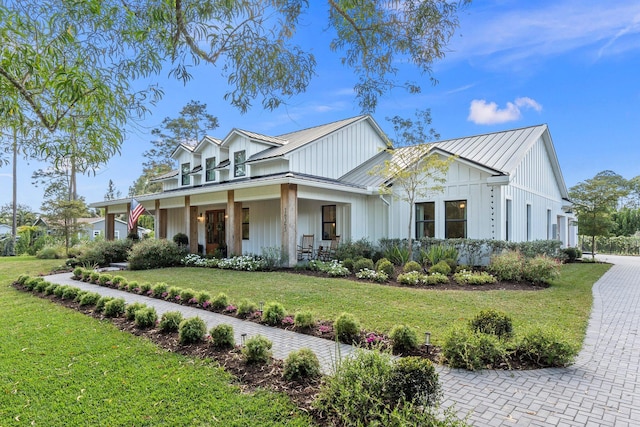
(239, 158)
(528, 222)
(508, 221)
(455, 222)
(209, 169)
(245, 223)
(425, 219)
(328, 222)
(185, 170)
(116, 234)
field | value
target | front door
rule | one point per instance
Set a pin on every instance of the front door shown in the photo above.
(214, 225)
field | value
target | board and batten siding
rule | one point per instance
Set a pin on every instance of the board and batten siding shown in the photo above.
(534, 184)
(336, 154)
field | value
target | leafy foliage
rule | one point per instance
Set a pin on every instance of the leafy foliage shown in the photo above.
(273, 313)
(257, 349)
(545, 348)
(222, 336)
(403, 338)
(191, 330)
(154, 253)
(170, 321)
(301, 364)
(146, 317)
(347, 328)
(492, 322)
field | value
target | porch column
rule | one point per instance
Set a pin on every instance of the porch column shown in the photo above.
(234, 225)
(109, 224)
(191, 222)
(289, 220)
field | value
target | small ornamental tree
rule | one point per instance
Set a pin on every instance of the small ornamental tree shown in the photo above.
(414, 170)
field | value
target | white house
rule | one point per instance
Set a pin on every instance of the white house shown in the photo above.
(249, 191)
(94, 227)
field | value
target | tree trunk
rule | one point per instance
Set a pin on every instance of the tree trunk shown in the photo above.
(593, 248)
(14, 224)
(410, 237)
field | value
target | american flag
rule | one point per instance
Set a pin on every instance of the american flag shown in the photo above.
(136, 210)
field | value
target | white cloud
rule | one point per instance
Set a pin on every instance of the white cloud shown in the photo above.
(482, 112)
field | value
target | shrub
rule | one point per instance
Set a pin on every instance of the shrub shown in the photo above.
(104, 279)
(77, 272)
(301, 364)
(273, 313)
(48, 252)
(507, 266)
(356, 395)
(41, 286)
(403, 338)
(114, 308)
(362, 248)
(132, 286)
(348, 264)
(386, 266)
(246, 307)
(170, 321)
(22, 279)
(397, 254)
(203, 297)
(79, 295)
(435, 279)
(31, 282)
(466, 277)
(412, 266)
(220, 302)
(374, 276)
(571, 254)
(130, 310)
(94, 277)
(105, 252)
(463, 348)
(51, 289)
(541, 269)
(412, 278)
(60, 290)
(347, 328)
(117, 281)
(174, 292)
(191, 330)
(86, 275)
(442, 267)
(492, 322)
(145, 288)
(90, 298)
(222, 336)
(257, 349)
(414, 379)
(181, 239)
(187, 294)
(155, 253)
(146, 317)
(102, 301)
(545, 348)
(159, 290)
(304, 319)
(361, 264)
(70, 293)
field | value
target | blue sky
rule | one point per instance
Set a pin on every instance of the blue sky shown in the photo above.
(574, 65)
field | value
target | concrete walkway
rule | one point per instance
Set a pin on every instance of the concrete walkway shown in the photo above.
(601, 389)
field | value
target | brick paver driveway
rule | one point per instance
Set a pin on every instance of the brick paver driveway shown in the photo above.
(600, 389)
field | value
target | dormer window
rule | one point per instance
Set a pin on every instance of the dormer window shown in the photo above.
(185, 170)
(239, 158)
(210, 171)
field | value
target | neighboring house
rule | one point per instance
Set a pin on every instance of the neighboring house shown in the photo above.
(5, 229)
(94, 227)
(250, 191)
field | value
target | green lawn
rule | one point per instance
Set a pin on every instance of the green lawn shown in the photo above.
(61, 368)
(566, 304)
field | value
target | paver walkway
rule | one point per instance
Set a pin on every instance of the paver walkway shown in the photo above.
(284, 341)
(601, 389)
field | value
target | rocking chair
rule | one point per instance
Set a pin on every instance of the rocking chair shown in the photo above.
(305, 250)
(330, 252)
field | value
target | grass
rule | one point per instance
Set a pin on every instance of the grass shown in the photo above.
(565, 304)
(60, 367)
